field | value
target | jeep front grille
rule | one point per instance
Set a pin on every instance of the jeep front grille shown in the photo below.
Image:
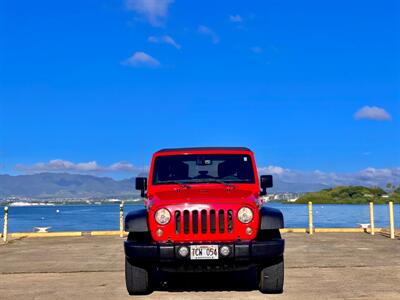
(212, 221)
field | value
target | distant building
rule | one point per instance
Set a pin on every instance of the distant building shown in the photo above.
(292, 199)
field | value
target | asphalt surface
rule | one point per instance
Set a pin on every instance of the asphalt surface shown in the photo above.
(323, 266)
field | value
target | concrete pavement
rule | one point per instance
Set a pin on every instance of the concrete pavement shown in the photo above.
(323, 266)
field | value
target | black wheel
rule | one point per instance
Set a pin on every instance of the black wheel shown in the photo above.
(272, 277)
(137, 279)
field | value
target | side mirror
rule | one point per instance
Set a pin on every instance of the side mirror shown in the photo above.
(265, 182)
(141, 185)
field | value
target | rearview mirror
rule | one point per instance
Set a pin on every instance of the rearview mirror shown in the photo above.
(265, 182)
(141, 185)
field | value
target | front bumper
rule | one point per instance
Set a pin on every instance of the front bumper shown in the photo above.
(252, 251)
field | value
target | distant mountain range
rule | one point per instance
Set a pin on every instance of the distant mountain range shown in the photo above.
(75, 186)
(281, 186)
(64, 185)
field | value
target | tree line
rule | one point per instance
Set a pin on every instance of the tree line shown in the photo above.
(353, 195)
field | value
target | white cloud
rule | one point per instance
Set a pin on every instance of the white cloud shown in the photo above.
(256, 49)
(166, 39)
(283, 177)
(60, 165)
(141, 59)
(367, 177)
(272, 170)
(87, 166)
(236, 18)
(155, 11)
(372, 113)
(122, 166)
(208, 32)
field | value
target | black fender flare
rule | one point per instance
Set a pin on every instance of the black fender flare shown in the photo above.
(136, 221)
(271, 218)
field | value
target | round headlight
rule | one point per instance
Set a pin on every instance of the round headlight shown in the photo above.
(162, 216)
(245, 215)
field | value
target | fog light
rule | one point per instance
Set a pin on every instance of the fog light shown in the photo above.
(183, 251)
(225, 250)
(159, 232)
(249, 231)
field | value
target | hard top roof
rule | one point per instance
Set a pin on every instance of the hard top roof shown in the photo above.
(203, 149)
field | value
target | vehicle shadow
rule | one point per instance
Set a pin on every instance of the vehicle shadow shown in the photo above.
(209, 281)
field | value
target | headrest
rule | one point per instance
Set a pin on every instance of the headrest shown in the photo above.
(226, 168)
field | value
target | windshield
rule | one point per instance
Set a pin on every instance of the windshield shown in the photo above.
(203, 168)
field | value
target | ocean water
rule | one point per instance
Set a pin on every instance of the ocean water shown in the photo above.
(106, 217)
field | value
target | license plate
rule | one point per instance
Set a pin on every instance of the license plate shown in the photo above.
(204, 252)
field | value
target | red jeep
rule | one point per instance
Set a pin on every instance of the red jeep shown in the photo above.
(203, 212)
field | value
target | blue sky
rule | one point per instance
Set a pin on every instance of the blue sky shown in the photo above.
(98, 86)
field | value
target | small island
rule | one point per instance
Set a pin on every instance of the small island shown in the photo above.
(352, 195)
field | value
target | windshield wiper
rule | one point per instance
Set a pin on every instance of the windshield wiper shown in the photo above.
(181, 184)
(221, 182)
(212, 180)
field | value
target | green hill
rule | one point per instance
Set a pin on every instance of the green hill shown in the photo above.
(350, 195)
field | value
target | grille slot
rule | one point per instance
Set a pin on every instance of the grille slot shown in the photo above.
(221, 221)
(195, 221)
(203, 221)
(230, 221)
(212, 221)
(178, 221)
(186, 221)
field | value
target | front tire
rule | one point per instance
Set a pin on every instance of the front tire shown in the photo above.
(137, 279)
(272, 277)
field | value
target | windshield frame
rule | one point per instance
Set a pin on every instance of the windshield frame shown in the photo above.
(193, 181)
